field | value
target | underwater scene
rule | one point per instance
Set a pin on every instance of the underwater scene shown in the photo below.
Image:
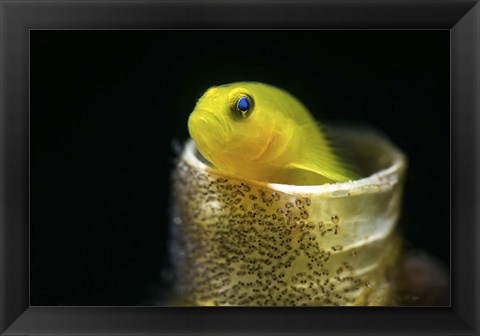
(240, 168)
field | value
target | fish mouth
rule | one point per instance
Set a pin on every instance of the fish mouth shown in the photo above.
(206, 126)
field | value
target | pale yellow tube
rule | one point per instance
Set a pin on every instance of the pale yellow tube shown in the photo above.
(244, 243)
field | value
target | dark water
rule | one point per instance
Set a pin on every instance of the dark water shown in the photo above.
(106, 105)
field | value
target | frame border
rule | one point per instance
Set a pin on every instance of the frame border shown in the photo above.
(18, 17)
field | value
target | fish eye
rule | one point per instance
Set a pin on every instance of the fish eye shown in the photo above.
(244, 106)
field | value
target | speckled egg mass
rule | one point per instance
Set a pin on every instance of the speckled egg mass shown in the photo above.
(238, 242)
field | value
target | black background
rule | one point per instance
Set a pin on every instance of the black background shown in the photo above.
(106, 105)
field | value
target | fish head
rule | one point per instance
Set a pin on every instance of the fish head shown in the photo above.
(232, 125)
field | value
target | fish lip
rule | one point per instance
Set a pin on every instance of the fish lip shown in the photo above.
(205, 115)
(209, 123)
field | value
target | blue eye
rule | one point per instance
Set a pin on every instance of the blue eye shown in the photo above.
(243, 104)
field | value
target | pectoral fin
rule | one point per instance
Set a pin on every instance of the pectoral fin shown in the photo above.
(317, 156)
(331, 172)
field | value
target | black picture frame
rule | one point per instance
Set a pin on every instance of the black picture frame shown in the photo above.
(18, 17)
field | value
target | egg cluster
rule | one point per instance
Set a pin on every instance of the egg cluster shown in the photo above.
(238, 243)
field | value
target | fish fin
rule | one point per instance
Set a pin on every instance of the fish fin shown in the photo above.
(318, 156)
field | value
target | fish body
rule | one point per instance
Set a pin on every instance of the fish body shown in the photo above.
(261, 132)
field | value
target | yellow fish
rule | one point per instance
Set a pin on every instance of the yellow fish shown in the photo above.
(263, 133)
